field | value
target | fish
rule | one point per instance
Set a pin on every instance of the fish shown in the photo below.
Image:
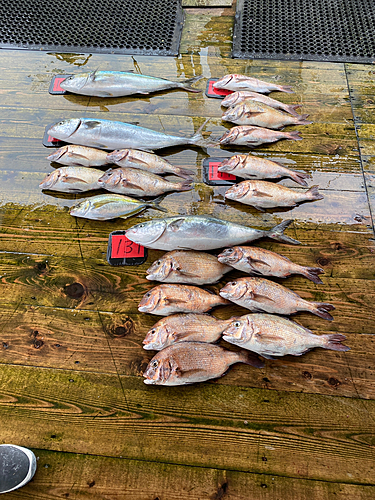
(200, 232)
(246, 135)
(79, 155)
(258, 261)
(187, 266)
(138, 182)
(263, 194)
(146, 161)
(261, 115)
(191, 362)
(184, 328)
(238, 97)
(243, 82)
(249, 166)
(72, 179)
(110, 206)
(270, 336)
(107, 134)
(121, 83)
(261, 295)
(169, 299)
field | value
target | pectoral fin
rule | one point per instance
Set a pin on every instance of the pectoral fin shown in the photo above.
(72, 180)
(131, 185)
(176, 224)
(251, 261)
(263, 337)
(262, 298)
(90, 124)
(261, 194)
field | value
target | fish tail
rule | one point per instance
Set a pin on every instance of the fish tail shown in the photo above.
(300, 177)
(185, 173)
(294, 135)
(250, 358)
(286, 88)
(184, 186)
(155, 203)
(312, 274)
(321, 309)
(198, 139)
(313, 193)
(333, 342)
(292, 109)
(277, 233)
(186, 84)
(302, 120)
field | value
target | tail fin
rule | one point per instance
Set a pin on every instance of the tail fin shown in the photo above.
(250, 358)
(302, 120)
(186, 84)
(333, 342)
(312, 274)
(155, 203)
(313, 193)
(277, 233)
(321, 309)
(286, 88)
(185, 173)
(294, 135)
(183, 186)
(198, 139)
(291, 109)
(299, 177)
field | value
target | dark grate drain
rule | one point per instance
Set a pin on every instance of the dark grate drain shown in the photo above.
(148, 27)
(315, 30)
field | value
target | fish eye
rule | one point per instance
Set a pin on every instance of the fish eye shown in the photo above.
(234, 283)
(147, 294)
(158, 262)
(154, 363)
(237, 324)
(153, 330)
(230, 250)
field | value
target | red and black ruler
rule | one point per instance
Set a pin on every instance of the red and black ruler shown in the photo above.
(213, 177)
(123, 252)
(218, 93)
(55, 88)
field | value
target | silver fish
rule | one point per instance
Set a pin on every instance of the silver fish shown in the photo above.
(270, 335)
(199, 232)
(110, 206)
(138, 182)
(238, 97)
(121, 83)
(246, 135)
(79, 155)
(191, 362)
(244, 82)
(148, 162)
(106, 134)
(72, 180)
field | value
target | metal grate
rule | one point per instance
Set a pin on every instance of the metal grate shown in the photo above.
(315, 30)
(148, 27)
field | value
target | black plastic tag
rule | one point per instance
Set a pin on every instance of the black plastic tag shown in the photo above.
(213, 177)
(123, 252)
(218, 93)
(55, 88)
(51, 142)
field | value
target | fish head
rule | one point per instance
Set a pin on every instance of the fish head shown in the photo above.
(222, 82)
(50, 180)
(160, 269)
(236, 333)
(158, 337)
(64, 129)
(75, 82)
(146, 233)
(230, 164)
(150, 300)
(81, 209)
(238, 191)
(159, 369)
(230, 255)
(234, 112)
(230, 100)
(110, 179)
(230, 136)
(234, 290)
(59, 153)
(117, 155)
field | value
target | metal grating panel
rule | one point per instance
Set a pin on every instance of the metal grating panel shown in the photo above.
(315, 30)
(148, 27)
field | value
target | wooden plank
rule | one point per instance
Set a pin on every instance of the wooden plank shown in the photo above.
(71, 475)
(301, 436)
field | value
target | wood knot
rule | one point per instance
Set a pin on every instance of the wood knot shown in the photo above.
(126, 328)
(307, 375)
(74, 291)
(221, 491)
(322, 261)
(336, 245)
(5, 345)
(334, 382)
(91, 484)
(35, 342)
(42, 267)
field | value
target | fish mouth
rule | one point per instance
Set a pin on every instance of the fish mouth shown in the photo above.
(149, 381)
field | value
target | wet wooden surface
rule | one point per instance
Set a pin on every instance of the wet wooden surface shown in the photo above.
(71, 385)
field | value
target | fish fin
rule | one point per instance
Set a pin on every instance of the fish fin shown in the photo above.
(313, 193)
(185, 173)
(131, 185)
(321, 309)
(186, 273)
(267, 338)
(312, 274)
(262, 298)
(267, 356)
(174, 301)
(250, 358)
(176, 224)
(70, 180)
(155, 203)
(185, 85)
(251, 114)
(333, 342)
(261, 194)
(259, 261)
(277, 233)
(261, 209)
(90, 124)
(285, 88)
(103, 93)
(294, 135)
(181, 374)
(299, 177)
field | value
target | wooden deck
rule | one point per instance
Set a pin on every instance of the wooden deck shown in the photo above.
(71, 358)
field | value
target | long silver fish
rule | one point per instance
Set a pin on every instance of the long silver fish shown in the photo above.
(244, 82)
(237, 97)
(199, 232)
(270, 335)
(111, 206)
(72, 180)
(107, 134)
(79, 155)
(121, 83)
(148, 162)
(246, 135)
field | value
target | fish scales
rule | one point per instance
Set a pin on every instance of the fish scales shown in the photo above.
(79, 155)
(236, 82)
(247, 135)
(241, 96)
(72, 179)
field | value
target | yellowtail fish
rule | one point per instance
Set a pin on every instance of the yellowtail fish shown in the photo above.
(200, 232)
(121, 83)
(247, 135)
(72, 180)
(170, 299)
(110, 206)
(261, 115)
(249, 166)
(138, 182)
(79, 155)
(263, 194)
(238, 97)
(191, 362)
(258, 261)
(146, 161)
(244, 82)
(270, 336)
(261, 295)
(187, 266)
(184, 328)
